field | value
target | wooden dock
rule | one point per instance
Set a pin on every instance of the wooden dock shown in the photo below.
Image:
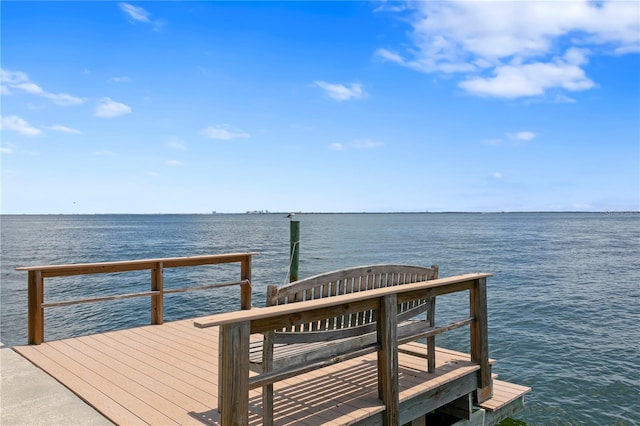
(167, 374)
(174, 373)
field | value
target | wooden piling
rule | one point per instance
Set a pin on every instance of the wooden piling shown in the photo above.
(294, 251)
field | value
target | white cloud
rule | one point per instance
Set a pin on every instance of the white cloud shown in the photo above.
(139, 14)
(122, 79)
(493, 142)
(387, 7)
(18, 125)
(6, 150)
(366, 144)
(388, 55)
(175, 143)
(12, 77)
(64, 99)
(108, 108)
(561, 98)
(29, 87)
(64, 129)
(18, 82)
(134, 12)
(341, 92)
(497, 175)
(506, 49)
(534, 79)
(220, 133)
(361, 144)
(626, 49)
(522, 136)
(577, 56)
(174, 163)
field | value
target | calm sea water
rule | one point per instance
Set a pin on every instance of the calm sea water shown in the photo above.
(564, 304)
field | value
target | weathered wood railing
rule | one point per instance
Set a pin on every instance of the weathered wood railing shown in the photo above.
(37, 274)
(236, 328)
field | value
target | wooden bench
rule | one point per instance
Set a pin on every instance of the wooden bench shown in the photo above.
(237, 328)
(317, 344)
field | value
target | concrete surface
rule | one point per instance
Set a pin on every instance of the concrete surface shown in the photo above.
(30, 397)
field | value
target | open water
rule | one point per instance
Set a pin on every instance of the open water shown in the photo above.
(564, 302)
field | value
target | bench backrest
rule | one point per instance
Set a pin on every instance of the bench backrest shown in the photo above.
(342, 282)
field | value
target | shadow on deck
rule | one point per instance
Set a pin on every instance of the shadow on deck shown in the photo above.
(168, 374)
(179, 373)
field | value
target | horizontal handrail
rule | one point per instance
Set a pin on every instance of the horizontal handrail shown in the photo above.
(144, 294)
(37, 275)
(134, 265)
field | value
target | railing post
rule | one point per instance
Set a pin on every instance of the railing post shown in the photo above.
(245, 289)
(233, 391)
(388, 386)
(480, 338)
(35, 322)
(157, 300)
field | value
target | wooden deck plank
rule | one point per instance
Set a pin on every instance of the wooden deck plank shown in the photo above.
(165, 370)
(160, 409)
(151, 378)
(76, 377)
(206, 343)
(197, 356)
(355, 401)
(504, 393)
(189, 336)
(147, 349)
(350, 380)
(167, 374)
(106, 405)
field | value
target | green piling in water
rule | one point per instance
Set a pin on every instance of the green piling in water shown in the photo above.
(294, 251)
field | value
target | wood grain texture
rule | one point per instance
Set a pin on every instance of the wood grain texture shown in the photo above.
(35, 319)
(480, 338)
(135, 265)
(168, 374)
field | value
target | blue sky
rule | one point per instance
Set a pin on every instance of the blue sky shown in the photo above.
(191, 107)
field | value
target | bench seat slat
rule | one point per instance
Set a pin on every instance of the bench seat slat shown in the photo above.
(344, 332)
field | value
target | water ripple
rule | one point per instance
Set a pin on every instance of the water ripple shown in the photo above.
(563, 302)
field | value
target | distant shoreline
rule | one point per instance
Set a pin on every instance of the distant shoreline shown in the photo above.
(610, 212)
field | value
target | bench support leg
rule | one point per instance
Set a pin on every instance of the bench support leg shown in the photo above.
(267, 390)
(234, 374)
(388, 387)
(431, 341)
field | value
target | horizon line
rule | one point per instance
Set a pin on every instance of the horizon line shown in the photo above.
(257, 212)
